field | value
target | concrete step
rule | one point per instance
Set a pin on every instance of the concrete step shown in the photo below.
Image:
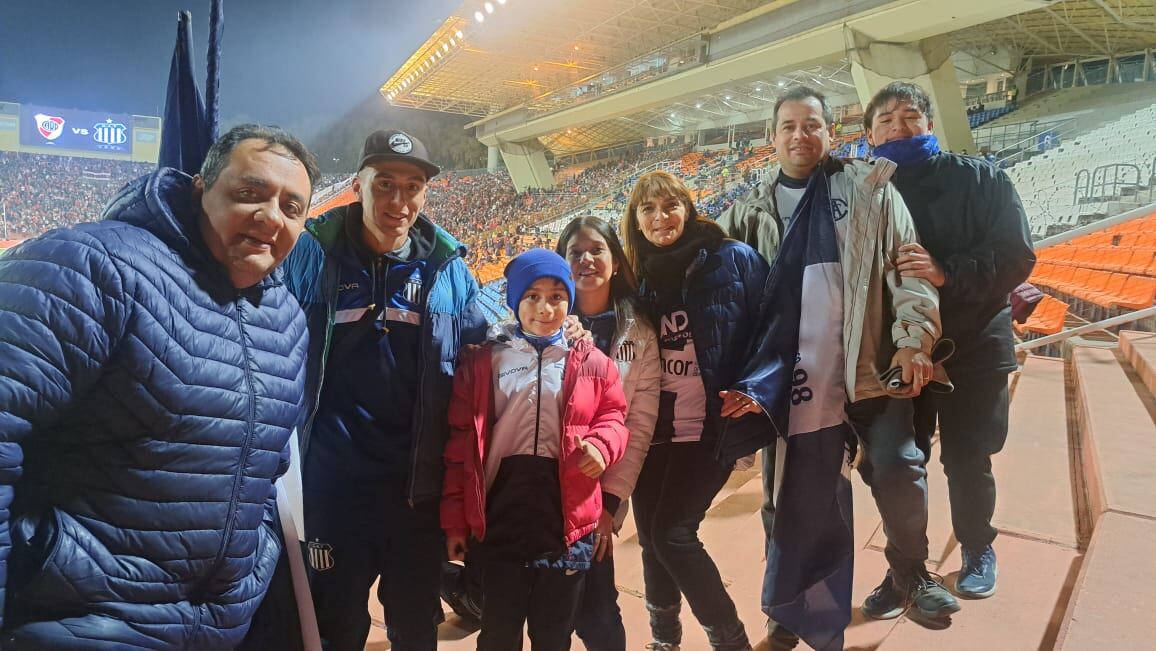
(1116, 435)
(1139, 348)
(1035, 582)
(1039, 504)
(1113, 604)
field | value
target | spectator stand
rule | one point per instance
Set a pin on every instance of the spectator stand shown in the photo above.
(1102, 273)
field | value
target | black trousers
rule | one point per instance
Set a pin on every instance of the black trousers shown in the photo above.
(674, 490)
(599, 621)
(543, 599)
(351, 544)
(973, 422)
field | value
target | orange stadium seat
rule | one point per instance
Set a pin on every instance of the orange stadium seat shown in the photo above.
(1138, 263)
(1137, 293)
(1103, 287)
(1047, 319)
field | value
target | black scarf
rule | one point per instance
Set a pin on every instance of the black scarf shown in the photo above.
(664, 267)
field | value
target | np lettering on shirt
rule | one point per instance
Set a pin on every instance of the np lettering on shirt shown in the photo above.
(682, 400)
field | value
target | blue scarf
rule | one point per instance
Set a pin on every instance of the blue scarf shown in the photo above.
(909, 151)
(537, 342)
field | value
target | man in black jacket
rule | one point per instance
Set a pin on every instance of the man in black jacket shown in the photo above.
(976, 248)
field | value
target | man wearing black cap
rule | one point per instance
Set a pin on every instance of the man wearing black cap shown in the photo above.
(390, 301)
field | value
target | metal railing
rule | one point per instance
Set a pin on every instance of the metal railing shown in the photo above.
(1121, 319)
(1046, 136)
(676, 57)
(998, 96)
(1104, 182)
(1067, 236)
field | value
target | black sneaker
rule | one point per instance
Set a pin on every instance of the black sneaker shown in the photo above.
(779, 638)
(928, 596)
(456, 594)
(885, 602)
(921, 591)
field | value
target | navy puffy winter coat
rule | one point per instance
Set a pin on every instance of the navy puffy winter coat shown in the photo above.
(722, 291)
(145, 408)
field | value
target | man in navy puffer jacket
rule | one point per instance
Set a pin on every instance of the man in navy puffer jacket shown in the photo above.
(153, 368)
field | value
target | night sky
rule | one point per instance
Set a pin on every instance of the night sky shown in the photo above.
(301, 64)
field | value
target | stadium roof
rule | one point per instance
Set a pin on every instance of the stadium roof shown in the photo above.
(523, 49)
(546, 54)
(1069, 30)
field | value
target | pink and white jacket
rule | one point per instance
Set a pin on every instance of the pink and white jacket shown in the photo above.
(593, 410)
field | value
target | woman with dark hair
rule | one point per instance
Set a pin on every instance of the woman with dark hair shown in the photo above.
(606, 294)
(703, 292)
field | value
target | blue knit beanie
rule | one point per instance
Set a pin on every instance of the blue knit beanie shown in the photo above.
(528, 267)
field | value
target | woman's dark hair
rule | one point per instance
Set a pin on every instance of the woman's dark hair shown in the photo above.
(655, 185)
(624, 283)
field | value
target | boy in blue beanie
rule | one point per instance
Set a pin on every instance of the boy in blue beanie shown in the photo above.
(534, 422)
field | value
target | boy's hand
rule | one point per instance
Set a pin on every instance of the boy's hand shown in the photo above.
(915, 262)
(456, 547)
(590, 461)
(573, 331)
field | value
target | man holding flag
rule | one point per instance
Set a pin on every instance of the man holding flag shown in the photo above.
(838, 313)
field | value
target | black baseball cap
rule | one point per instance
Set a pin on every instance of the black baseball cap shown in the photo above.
(394, 144)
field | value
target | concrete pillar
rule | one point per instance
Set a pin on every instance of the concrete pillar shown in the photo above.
(526, 162)
(927, 63)
(493, 158)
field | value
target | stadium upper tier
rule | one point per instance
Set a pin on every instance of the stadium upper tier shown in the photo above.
(579, 76)
(1091, 170)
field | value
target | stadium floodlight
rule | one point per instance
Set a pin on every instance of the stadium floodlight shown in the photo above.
(501, 2)
(727, 98)
(453, 42)
(489, 6)
(698, 104)
(782, 83)
(479, 16)
(458, 33)
(445, 47)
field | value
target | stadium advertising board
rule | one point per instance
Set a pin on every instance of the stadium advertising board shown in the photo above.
(74, 129)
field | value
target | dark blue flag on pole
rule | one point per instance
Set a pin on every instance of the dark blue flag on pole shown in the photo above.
(810, 556)
(189, 127)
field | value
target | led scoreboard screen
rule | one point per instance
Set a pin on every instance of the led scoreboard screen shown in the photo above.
(74, 129)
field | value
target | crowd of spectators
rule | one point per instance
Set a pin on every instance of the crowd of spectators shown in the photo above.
(40, 192)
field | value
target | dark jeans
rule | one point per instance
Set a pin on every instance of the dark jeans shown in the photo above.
(599, 622)
(768, 510)
(972, 427)
(545, 600)
(366, 540)
(674, 490)
(895, 468)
